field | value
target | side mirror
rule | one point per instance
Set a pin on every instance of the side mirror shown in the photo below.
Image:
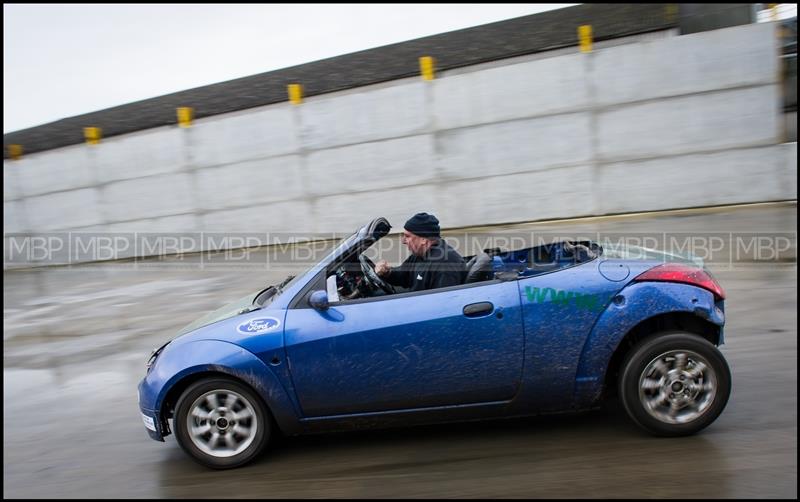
(319, 300)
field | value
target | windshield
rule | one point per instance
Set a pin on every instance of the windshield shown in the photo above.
(234, 308)
(258, 299)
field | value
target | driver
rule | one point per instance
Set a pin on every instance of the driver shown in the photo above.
(432, 264)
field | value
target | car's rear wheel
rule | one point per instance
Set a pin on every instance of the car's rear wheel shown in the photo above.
(674, 384)
(221, 423)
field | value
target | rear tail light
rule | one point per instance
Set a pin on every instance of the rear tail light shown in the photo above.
(687, 274)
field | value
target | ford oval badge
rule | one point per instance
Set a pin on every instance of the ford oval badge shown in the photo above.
(258, 326)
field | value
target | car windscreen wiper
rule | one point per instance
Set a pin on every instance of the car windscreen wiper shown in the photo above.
(285, 281)
(249, 308)
(263, 295)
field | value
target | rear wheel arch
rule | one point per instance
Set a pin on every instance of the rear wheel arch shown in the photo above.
(653, 326)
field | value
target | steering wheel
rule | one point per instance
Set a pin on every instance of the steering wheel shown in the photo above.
(372, 277)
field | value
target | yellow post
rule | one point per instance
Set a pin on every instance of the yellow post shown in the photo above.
(773, 7)
(295, 94)
(426, 67)
(92, 135)
(585, 36)
(15, 151)
(185, 116)
(672, 11)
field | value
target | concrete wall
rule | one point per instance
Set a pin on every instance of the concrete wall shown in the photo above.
(684, 121)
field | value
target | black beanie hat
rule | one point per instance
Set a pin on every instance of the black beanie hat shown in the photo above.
(423, 224)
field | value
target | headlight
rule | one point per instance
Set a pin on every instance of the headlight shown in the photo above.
(153, 356)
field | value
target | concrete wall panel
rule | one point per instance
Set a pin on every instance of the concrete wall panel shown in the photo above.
(11, 189)
(281, 217)
(13, 216)
(345, 213)
(520, 197)
(525, 145)
(148, 197)
(546, 86)
(55, 170)
(64, 210)
(158, 151)
(371, 166)
(250, 183)
(365, 115)
(735, 176)
(687, 64)
(725, 119)
(789, 165)
(235, 137)
(167, 224)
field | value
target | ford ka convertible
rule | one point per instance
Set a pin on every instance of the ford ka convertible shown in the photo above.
(553, 328)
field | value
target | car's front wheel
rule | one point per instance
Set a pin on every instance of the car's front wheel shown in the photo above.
(221, 423)
(674, 384)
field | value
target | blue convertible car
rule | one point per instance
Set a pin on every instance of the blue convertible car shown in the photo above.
(552, 328)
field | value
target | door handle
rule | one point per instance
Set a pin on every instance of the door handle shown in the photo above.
(478, 309)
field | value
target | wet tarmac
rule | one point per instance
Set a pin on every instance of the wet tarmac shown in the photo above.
(75, 342)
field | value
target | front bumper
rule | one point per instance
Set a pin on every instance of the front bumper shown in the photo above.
(152, 424)
(152, 420)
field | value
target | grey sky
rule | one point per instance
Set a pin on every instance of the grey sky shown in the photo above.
(65, 60)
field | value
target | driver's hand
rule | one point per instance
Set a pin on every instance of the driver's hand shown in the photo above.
(382, 268)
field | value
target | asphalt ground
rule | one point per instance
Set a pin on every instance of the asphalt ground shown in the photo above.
(75, 341)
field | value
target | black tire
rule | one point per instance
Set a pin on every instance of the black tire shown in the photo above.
(240, 420)
(676, 397)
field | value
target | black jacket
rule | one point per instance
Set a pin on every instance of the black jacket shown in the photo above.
(440, 267)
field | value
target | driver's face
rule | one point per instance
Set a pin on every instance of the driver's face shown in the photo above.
(416, 244)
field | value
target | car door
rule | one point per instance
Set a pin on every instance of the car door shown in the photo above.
(558, 310)
(433, 348)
